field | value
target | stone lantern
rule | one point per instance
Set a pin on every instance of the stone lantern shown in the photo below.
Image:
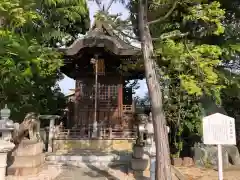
(6, 128)
(5, 112)
(141, 131)
(6, 125)
(140, 160)
(150, 143)
(144, 151)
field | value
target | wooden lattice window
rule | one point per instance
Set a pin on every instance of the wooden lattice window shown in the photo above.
(103, 92)
(107, 92)
(113, 92)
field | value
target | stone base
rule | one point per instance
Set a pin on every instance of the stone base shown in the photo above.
(140, 164)
(48, 172)
(23, 171)
(27, 159)
(139, 174)
(28, 148)
(26, 165)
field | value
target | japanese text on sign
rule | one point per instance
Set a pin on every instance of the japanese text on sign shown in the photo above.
(219, 129)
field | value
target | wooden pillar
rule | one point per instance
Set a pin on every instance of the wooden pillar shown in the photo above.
(120, 97)
(76, 102)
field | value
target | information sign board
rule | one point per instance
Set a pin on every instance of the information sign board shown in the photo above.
(219, 129)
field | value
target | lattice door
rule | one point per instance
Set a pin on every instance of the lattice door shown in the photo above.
(107, 102)
(107, 96)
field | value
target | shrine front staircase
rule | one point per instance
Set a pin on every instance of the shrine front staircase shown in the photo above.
(70, 147)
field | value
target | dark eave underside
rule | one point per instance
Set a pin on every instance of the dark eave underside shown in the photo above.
(99, 39)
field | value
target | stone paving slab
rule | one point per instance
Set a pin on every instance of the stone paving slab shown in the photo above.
(71, 172)
(76, 173)
(49, 172)
(89, 172)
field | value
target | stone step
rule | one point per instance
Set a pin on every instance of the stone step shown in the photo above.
(83, 160)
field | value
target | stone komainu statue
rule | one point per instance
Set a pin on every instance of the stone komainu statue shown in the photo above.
(30, 127)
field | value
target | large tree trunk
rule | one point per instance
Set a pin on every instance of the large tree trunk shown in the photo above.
(163, 164)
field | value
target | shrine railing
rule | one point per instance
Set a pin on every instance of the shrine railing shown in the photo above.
(103, 133)
(128, 108)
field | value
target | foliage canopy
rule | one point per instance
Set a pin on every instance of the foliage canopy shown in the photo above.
(196, 46)
(29, 64)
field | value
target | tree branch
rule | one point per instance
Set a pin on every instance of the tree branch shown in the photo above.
(109, 5)
(127, 35)
(171, 35)
(166, 15)
(99, 4)
(162, 37)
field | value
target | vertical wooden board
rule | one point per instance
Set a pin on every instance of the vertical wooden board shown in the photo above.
(114, 117)
(101, 116)
(83, 117)
(90, 116)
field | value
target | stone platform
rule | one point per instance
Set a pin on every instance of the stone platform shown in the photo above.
(27, 159)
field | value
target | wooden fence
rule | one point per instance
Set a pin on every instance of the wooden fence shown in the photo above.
(102, 133)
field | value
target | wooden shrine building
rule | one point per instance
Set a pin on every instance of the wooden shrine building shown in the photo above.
(96, 61)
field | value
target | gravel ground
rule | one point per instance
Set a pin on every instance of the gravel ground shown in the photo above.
(75, 173)
(193, 173)
(71, 172)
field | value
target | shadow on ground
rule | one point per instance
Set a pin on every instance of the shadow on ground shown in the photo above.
(116, 167)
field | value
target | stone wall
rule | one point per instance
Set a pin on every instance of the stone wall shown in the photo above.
(27, 159)
(93, 145)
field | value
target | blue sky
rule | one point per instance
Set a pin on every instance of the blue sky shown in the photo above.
(68, 83)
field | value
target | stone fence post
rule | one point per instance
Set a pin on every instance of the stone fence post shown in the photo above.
(5, 147)
(51, 119)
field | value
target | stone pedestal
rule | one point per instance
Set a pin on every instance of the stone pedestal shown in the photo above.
(26, 159)
(3, 164)
(5, 147)
(140, 164)
(51, 134)
(138, 152)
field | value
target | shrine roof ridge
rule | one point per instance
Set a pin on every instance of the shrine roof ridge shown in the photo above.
(102, 36)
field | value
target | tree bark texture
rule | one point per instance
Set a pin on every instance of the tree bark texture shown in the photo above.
(163, 164)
